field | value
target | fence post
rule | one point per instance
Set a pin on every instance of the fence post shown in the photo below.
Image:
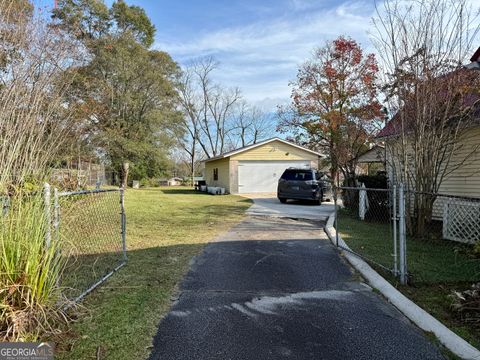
(401, 209)
(395, 222)
(405, 249)
(336, 213)
(124, 223)
(48, 214)
(362, 202)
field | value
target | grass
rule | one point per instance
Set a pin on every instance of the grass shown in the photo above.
(165, 228)
(30, 300)
(435, 299)
(90, 237)
(436, 268)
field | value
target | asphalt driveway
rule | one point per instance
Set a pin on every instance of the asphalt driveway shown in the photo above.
(274, 288)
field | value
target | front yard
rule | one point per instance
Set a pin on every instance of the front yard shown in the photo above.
(166, 227)
(436, 268)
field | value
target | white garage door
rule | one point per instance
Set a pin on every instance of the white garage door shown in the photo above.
(262, 176)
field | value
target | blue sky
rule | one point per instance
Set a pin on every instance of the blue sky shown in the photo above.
(259, 44)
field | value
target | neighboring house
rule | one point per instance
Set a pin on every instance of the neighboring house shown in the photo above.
(462, 180)
(174, 181)
(464, 177)
(372, 160)
(456, 206)
(257, 167)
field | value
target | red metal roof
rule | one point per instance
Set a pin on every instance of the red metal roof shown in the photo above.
(476, 56)
(394, 126)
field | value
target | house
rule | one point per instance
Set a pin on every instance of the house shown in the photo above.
(462, 178)
(455, 202)
(372, 160)
(174, 181)
(258, 167)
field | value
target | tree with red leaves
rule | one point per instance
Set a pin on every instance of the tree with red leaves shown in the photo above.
(334, 104)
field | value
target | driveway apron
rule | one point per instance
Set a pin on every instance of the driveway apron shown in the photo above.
(275, 288)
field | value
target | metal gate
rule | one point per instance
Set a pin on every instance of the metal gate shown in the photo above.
(90, 227)
(376, 219)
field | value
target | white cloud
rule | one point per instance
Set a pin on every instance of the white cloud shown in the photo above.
(262, 57)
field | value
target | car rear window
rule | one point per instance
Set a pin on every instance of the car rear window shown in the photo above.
(299, 175)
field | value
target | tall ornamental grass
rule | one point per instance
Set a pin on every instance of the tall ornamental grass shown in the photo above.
(36, 60)
(30, 297)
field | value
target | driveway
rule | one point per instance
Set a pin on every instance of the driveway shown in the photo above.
(267, 204)
(275, 288)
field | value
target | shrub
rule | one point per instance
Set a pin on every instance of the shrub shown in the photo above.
(145, 182)
(379, 203)
(149, 182)
(30, 298)
(379, 181)
(467, 304)
(476, 249)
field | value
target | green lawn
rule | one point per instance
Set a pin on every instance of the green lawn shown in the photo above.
(91, 238)
(436, 268)
(166, 227)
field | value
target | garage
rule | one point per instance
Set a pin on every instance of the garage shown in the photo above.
(256, 168)
(262, 176)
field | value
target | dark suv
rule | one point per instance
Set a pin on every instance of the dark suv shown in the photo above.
(302, 184)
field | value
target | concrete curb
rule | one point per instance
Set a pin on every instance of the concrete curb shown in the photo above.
(415, 313)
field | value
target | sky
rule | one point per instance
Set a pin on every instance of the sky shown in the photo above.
(259, 44)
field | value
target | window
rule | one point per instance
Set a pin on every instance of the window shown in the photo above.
(298, 175)
(215, 174)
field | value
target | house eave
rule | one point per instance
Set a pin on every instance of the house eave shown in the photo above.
(253, 146)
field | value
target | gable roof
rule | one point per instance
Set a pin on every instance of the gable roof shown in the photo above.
(475, 61)
(392, 128)
(476, 56)
(258, 144)
(374, 155)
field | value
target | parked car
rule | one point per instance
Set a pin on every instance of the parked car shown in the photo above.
(301, 184)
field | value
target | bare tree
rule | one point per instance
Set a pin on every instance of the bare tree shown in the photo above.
(33, 82)
(251, 124)
(218, 105)
(422, 45)
(192, 115)
(216, 118)
(208, 107)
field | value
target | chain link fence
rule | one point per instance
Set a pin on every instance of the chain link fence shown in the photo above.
(365, 222)
(91, 229)
(443, 238)
(424, 239)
